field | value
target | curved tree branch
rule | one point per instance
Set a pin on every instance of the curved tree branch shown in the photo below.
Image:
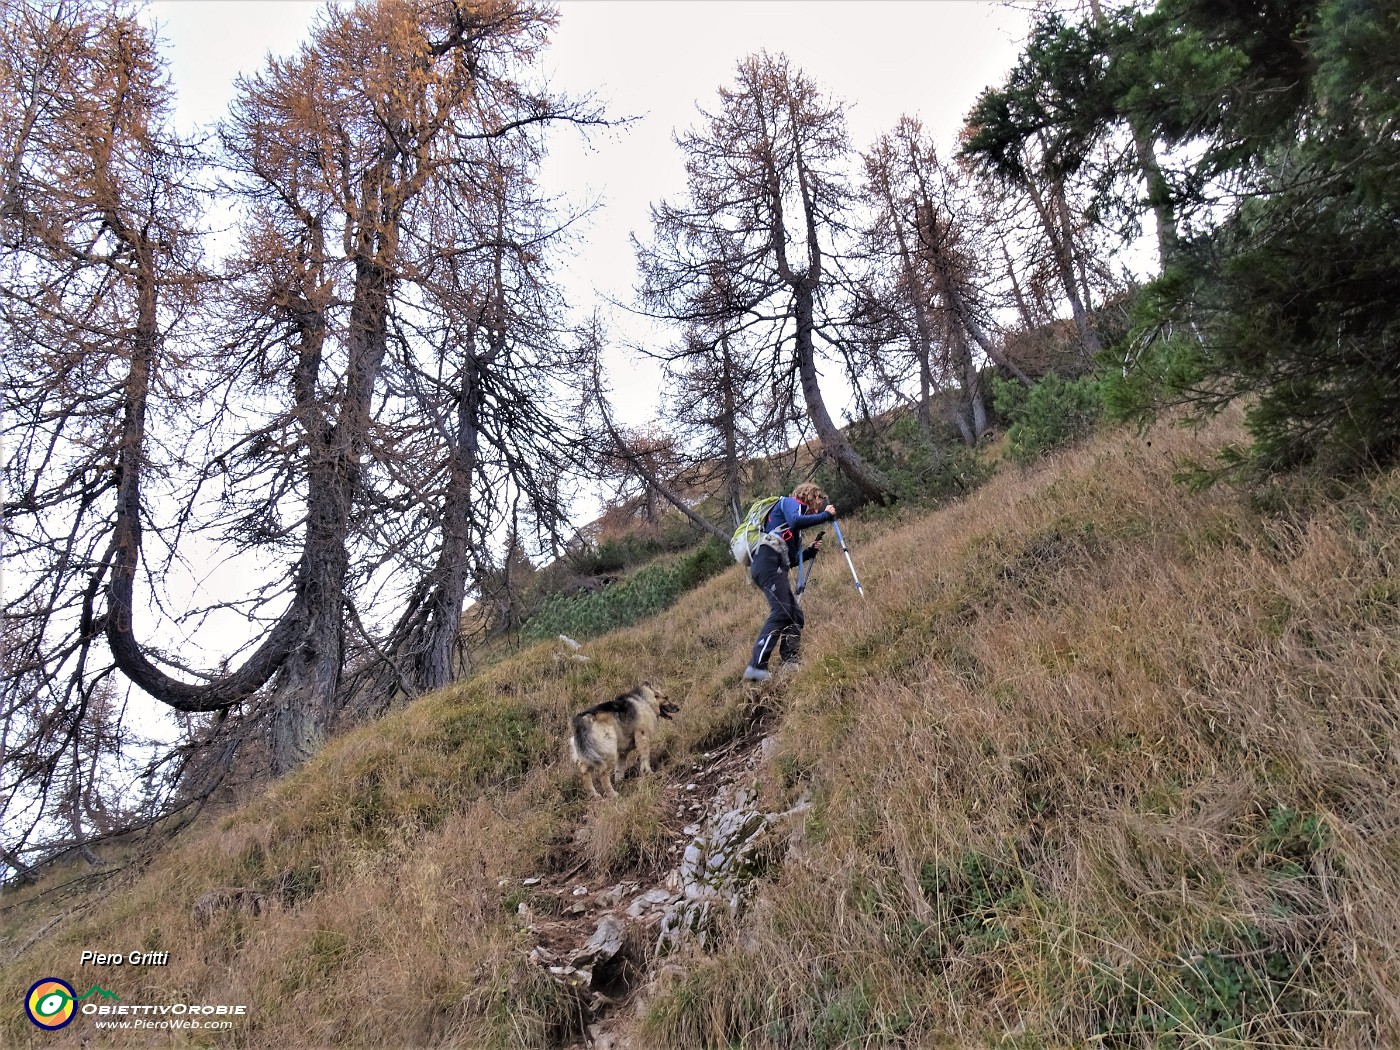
(637, 464)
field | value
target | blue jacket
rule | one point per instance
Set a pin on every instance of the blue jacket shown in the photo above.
(788, 521)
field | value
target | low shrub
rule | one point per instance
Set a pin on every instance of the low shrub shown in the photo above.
(614, 555)
(645, 593)
(925, 469)
(1048, 415)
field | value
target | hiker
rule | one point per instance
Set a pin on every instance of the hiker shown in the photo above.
(772, 558)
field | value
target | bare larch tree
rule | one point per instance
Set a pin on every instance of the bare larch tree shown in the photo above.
(264, 406)
(765, 198)
(924, 285)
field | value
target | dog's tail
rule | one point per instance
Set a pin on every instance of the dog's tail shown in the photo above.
(583, 747)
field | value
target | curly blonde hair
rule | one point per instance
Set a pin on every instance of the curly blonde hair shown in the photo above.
(810, 495)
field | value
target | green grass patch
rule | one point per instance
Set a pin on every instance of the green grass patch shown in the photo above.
(1241, 987)
(646, 592)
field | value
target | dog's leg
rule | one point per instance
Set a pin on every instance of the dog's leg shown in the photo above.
(587, 773)
(609, 777)
(643, 753)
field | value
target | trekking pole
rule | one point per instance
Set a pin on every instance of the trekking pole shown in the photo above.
(803, 571)
(847, 552)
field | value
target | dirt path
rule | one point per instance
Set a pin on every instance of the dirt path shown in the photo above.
(603, 941)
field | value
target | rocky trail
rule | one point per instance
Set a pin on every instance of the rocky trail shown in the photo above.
(608, 943)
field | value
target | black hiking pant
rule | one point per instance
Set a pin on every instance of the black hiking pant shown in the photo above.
(783, 628)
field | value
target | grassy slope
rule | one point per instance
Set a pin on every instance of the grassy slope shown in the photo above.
(1098, 757)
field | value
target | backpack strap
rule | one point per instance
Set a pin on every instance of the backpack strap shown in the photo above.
(786, 533)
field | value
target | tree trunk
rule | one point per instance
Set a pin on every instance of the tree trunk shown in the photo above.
(1055, 221)
(924, 412)
(443, 624)
(304, 703)
(125, 552)
(867, 478)
(1158, 190)
(973, 400)
(1053, 212)
(1158, 197)
(23, 873)
(871, 481)
(1022, 306)
(303, 695)
(923, 328)
(733, 469)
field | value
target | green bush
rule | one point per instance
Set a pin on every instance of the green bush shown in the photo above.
(1050, 414)
(645, 593)
(614, 555)
(924, 469)
(1283, 290)
(709, 559)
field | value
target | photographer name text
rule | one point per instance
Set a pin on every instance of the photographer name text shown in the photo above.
(130, 959)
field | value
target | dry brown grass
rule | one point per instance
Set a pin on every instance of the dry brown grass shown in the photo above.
(1099, 761)
(1099, 758)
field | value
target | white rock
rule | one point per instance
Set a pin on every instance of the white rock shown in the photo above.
(605, 943)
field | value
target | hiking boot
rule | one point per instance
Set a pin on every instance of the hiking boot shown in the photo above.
(756, 674)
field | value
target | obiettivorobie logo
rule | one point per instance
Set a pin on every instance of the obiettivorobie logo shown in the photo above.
(52, 1003)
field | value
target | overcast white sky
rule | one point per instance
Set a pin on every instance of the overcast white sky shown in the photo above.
(657, 60)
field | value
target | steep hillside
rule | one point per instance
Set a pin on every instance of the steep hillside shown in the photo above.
(1100, 761)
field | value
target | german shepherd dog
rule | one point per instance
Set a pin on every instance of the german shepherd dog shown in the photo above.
(606, 735)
